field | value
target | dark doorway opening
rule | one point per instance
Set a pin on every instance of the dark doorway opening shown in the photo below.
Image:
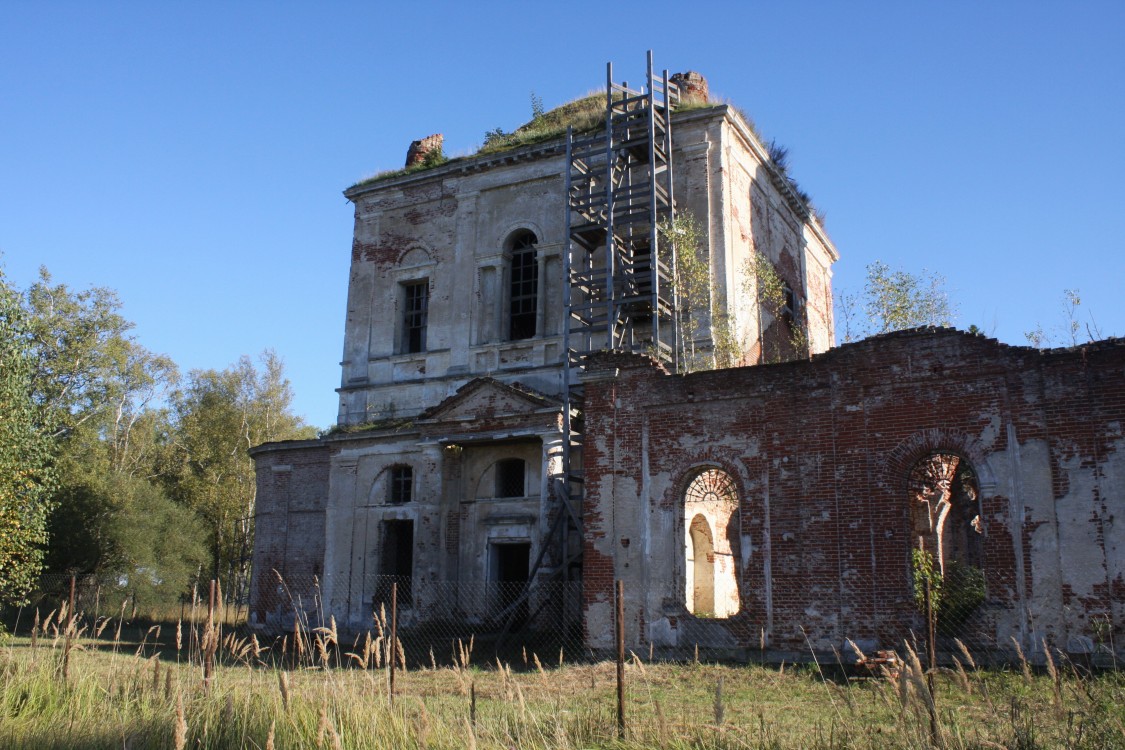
(396, 564)
(510, 567)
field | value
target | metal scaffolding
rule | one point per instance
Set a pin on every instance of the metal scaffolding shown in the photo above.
(618, 291)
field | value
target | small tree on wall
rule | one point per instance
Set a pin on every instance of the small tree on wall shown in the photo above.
(691, 278)
(763, 283)
(944, 497)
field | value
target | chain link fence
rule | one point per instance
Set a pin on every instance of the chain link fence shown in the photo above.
(510, 620)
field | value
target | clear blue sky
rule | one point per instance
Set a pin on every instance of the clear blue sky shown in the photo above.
(192, 156)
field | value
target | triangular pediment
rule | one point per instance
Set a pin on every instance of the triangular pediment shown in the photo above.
(487, 398)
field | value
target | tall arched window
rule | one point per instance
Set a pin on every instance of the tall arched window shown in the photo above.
(945, 510)
(523, 287)
(711, 522)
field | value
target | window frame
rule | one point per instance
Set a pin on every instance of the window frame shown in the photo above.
(400, 484)
(415, 315)
(522, 296)
(502, 478)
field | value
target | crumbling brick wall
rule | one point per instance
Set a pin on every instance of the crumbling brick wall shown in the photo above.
(821, 452)
(292, 479)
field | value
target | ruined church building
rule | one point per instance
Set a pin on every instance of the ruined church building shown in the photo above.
(536, 400)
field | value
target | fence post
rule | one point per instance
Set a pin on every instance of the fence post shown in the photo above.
(69, 633)
(620, 626)
(931, 648)
(209, 640)
(394, 639)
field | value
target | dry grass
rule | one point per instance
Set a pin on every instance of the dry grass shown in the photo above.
(151, 694)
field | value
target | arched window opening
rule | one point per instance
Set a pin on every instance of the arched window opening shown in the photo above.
(945, 509)
(711, 521)
(523, 289)
(511, 478)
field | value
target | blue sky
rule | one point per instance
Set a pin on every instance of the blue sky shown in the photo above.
(192, 156)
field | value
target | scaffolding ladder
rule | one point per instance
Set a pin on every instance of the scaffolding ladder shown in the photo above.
(618, 292)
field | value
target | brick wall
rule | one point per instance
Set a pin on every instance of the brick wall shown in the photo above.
(821, 450)
(292, 479)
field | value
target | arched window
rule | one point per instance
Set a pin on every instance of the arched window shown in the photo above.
(523, 287)
(711, 522)
(945, 510)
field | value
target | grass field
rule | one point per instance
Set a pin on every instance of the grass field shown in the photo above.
(146, 689)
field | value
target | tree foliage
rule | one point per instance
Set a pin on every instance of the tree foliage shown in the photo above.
(789, 338)
(1072, 331)
(78, 344)
(26, 466)
(220, 415)
(691, 278)
(107, 465)
(894, 300)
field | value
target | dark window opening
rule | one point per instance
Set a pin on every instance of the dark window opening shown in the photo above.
(401, 485)
(396, 565)
(510, 568)
(523, 292)
(415, 310)
(511, 476)
(789, 311)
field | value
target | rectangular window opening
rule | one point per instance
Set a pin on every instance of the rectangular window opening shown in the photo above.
(524, 296)
(415, 311)
(401, 485)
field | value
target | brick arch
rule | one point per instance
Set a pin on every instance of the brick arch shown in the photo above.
(894, 468)
(709, 459)
(505, 235)
(418, 254)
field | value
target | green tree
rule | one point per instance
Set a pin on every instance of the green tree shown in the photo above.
(764, 284)
(219, 416)
(78, 343)
(894, 300)
(26, 472)
(96, 395)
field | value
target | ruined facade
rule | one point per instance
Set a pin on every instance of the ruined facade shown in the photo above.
(768, 506)
(829, 472)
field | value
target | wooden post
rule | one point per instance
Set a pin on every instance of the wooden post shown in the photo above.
(620, 624)
(69, 633)
(931, 646)
(209, 640)
(473, 703)
(295, 654)
(394, 639)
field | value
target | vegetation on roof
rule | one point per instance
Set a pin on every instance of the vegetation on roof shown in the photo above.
(587, 114)
(584, 114)
(390, 423)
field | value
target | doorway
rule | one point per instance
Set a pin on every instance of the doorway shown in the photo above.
(396, 564)
(510, 568)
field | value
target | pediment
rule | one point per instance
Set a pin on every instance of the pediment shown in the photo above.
(487, 398)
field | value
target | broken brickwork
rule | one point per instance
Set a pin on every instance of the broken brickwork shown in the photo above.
(822, 454)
